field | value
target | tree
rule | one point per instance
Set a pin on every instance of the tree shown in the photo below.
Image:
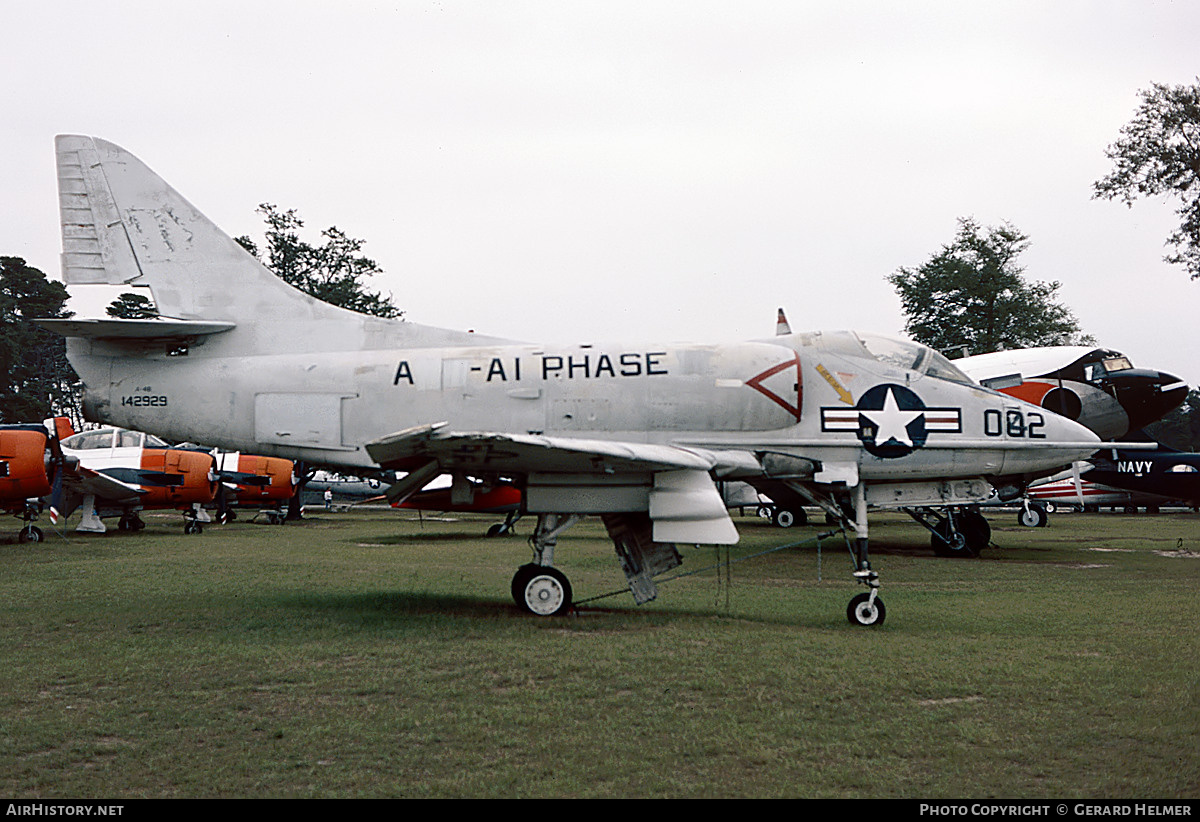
(1158, 152)
(332, 272)
(971, 298)
(36, 381)
(129, 306)
(1181, 428)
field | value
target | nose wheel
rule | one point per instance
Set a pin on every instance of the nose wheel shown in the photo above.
(866, 610)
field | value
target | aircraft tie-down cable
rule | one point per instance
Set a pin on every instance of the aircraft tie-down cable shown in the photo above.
(725, 564)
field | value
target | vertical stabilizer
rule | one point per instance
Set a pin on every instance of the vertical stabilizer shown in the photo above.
(125, 229)
(123, 225)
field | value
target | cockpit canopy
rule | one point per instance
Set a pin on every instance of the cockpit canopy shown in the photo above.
(895, 352)
(110, 438)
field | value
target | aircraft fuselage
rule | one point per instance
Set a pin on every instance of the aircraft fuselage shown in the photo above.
(792, 396)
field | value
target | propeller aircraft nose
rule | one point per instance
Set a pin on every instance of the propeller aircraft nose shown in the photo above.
(1147, 396)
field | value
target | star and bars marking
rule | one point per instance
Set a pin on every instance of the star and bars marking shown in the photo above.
(891, 420)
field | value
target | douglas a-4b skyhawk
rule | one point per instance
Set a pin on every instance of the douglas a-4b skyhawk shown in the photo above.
(636, 433)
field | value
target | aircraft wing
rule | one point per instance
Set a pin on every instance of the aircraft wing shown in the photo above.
(522, 453)
(87, 481)
(80, 482)
(674, 483)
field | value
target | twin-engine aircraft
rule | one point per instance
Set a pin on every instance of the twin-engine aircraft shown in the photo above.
(1122, 478)
(1068, 489)
(636, 433)
(466, 494)
(1097, 387)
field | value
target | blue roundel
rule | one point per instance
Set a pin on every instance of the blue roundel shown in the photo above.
(891, 421)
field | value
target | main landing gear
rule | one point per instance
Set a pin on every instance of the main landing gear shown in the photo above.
(538, 587)
(30, 532)
(194, 519)
(131, 522)
(957, 533)
(541, 589)
(783, 517)
(504, 528)
(1033, 515)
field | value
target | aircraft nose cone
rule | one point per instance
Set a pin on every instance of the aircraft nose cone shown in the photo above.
(1148, 396)
(1065, 442)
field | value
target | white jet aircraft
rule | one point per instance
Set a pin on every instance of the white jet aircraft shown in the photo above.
(636, 433)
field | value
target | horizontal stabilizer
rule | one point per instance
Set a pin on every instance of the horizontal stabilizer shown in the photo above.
(149, 329)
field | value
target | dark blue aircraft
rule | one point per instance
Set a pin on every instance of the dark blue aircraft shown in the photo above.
(1165, 472)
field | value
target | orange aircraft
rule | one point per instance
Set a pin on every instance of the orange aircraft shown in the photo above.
(466, 495)
(250, 480)
(120, 472)
(31, 467)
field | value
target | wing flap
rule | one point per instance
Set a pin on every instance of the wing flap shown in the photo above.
(524, 453)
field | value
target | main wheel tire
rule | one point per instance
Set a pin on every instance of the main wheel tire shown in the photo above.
(861, 611)
(546, 592)
(971, 537)
(977, 529)
(947, 542)
(786, 518)
(30, 533)
(519, 579)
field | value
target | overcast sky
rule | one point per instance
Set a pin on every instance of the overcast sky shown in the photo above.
(588, 171)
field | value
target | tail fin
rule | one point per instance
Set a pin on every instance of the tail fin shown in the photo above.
(122, 225)
(126, 230)
(782, 327)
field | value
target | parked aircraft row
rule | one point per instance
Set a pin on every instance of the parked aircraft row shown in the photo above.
(638, 433)
(117, 473)
(456, 493)
(112, 472)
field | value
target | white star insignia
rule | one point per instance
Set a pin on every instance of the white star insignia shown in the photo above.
(891, 422)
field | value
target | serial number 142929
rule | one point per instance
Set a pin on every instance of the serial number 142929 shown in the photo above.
(144, 401)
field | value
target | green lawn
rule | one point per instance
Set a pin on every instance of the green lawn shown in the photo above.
(372, 654)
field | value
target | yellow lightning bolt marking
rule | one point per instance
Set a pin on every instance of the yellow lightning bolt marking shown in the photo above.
(842, 393)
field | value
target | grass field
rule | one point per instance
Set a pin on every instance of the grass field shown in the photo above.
(368, 654)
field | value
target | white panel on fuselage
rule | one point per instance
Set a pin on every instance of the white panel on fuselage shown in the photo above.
(299, 419)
